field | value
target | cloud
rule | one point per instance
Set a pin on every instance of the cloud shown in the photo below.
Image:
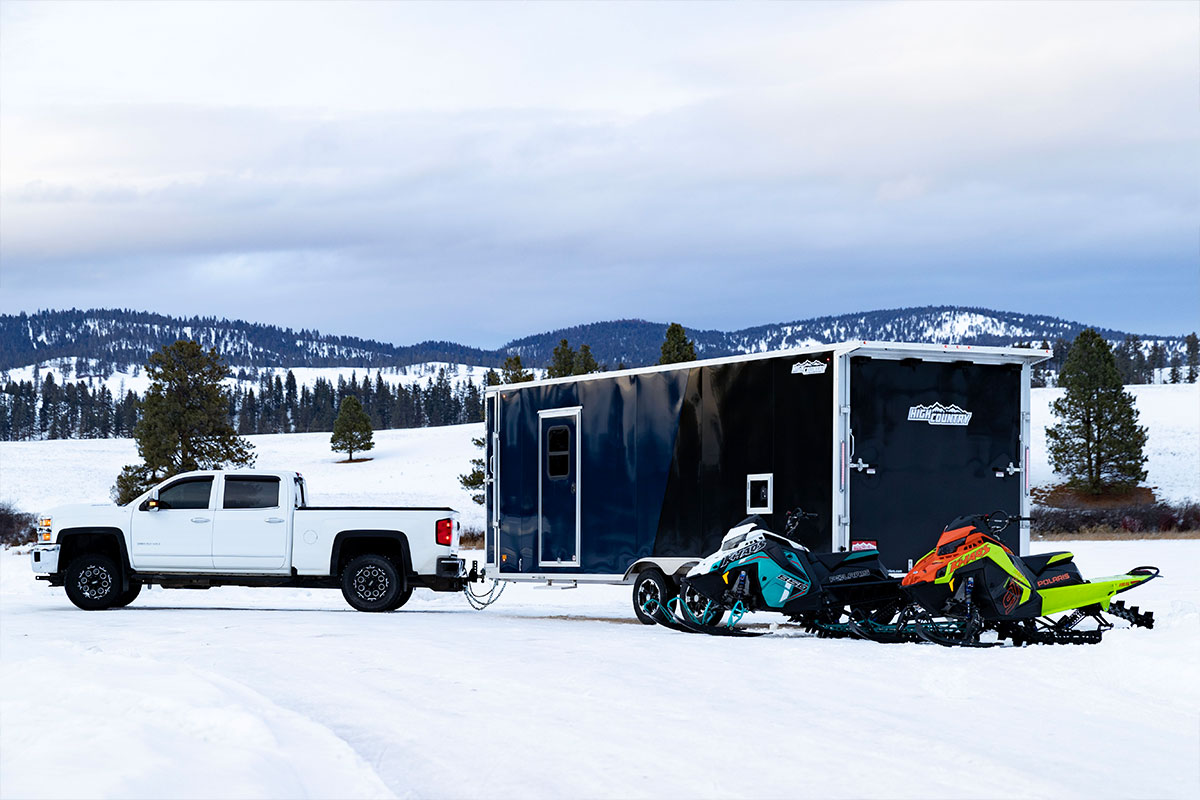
(727, 165)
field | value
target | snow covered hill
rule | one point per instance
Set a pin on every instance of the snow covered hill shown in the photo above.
(120, 339)
(421, 466)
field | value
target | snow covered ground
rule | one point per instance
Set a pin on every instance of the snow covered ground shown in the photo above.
(1171, 414)
(549, 693)
(287, 693)
(421, 466)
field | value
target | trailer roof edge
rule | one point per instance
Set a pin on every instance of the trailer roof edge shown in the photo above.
(897, 350)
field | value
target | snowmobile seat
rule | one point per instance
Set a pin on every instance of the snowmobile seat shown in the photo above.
(1037, 564)
(831, 561)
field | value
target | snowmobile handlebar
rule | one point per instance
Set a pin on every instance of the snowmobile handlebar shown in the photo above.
(999, 520)
(794, 518)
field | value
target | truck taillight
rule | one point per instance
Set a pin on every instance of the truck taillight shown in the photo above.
(445, 531)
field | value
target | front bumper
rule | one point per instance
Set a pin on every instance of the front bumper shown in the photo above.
(44, 558)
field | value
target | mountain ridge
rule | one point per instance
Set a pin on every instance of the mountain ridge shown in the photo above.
(127, 337)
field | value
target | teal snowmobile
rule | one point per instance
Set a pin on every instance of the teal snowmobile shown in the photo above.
(756, 569)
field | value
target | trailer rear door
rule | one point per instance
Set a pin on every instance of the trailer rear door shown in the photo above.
(930, 441)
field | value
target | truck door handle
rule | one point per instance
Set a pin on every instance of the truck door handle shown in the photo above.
(274, 520)
(200, 519)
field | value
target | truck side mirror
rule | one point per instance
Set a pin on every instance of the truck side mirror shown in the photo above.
(151, 503)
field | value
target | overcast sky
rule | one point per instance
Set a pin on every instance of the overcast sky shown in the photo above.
(478, 172)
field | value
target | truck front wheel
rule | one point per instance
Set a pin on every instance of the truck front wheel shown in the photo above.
(93, 582)
(125, 598)
(372, 583)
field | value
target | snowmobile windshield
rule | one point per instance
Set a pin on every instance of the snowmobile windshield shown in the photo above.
(736, 541)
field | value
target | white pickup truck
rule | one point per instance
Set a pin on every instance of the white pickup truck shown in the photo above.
(245, 528)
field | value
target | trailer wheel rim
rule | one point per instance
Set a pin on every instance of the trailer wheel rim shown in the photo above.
(371, 583)
(94, 582)
(648, 590)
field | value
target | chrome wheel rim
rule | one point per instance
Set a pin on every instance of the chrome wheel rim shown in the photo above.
(371, 583)
(94, 582)
(648, 590)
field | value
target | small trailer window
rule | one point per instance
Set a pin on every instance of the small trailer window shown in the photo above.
(558, 452)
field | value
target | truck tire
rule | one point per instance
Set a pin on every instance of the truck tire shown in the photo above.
(400, 600)
(127, 597)
(651, 584)
(371, 582)
(93, 582)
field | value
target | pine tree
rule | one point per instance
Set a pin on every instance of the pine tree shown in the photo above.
(563, 362)
(1098, 445)
(514, 371)
(351, 429)
(184, 421)
(585, 362)
(473, 481)
(676, 347)
(1192, 344)
(1176, 367)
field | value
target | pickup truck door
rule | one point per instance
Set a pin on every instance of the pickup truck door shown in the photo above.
(251, 529)
(178, 536)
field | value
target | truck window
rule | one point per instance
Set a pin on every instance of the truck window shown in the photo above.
(253, 492)
(187, 493)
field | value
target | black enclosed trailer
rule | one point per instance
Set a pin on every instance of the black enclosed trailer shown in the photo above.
(600, 477)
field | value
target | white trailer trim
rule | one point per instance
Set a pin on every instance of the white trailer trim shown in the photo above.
(575, 412)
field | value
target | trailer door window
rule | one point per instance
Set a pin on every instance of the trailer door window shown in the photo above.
(558, 452)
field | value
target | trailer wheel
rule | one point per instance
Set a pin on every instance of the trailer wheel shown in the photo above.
(125, 598)
(371, 582)
(93, 582)
(651, 584)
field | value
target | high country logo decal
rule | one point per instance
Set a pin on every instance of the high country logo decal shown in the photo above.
(809, 368)
(938, 414)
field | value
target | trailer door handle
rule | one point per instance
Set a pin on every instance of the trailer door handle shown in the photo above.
(860, 466)
(1011, 469)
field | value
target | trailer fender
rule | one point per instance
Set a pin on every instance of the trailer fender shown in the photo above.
(673, 567)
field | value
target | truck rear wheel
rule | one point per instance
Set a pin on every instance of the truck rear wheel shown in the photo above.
(653, 585)
(400, 600)
(371, 582)
(93, 582)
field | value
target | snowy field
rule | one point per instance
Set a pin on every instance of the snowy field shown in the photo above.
(421, 466)
(238, 692)
(1171, 415)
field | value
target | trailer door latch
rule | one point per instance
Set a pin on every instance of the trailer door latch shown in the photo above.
(1011, 469)
(861, 466)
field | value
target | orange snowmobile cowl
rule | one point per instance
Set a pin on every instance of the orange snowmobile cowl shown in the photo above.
(951, 546)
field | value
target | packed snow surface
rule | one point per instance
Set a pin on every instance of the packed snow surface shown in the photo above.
(244, 692)
(238, 692)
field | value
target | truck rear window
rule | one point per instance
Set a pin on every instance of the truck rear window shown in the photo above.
(251, 492)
